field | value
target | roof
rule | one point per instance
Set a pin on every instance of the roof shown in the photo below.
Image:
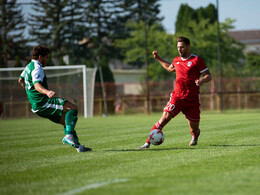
(246, 36)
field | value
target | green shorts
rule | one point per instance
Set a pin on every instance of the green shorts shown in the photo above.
(52, 109)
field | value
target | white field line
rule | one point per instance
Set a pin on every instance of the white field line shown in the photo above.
(92, 186)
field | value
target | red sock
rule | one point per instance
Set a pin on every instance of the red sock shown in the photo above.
(195, 135)
(156, 126)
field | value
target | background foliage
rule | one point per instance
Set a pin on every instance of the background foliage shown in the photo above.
(96, 32)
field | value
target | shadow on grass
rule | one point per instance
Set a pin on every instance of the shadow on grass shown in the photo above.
(167, 149)
(150, 149)
(241, 145)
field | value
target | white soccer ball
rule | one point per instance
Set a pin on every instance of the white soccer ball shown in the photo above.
(156, 137)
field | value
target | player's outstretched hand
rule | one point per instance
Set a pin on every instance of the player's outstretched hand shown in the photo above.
(155, 54)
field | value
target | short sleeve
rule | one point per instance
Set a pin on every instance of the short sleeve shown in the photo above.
(201, 65)
(37, 75)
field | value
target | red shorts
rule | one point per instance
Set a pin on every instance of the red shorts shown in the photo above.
(189, 107)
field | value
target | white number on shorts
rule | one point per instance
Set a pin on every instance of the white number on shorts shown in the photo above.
(170, 107)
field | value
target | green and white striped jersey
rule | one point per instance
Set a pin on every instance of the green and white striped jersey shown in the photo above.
(33, 73)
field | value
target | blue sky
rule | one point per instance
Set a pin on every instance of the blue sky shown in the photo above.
(245, 12)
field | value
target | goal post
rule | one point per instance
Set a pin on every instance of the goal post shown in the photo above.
(73, 82)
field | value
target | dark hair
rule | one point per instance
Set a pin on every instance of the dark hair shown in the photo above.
(183, 39)
(40, 50)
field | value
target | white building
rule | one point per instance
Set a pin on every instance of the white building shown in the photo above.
(250, 38)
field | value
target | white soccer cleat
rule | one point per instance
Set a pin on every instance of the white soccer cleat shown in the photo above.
(83, 149)
(193, 142)
(145, 146)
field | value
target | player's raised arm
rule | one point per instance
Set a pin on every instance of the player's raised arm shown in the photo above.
(164, 63)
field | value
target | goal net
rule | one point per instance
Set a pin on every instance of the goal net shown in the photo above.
(74, 83)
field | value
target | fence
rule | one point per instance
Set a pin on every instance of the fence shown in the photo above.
(238, 93)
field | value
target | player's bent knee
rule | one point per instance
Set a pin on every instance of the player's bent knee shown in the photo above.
(69, 106)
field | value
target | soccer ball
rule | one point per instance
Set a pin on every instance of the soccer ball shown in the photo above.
(156, 137)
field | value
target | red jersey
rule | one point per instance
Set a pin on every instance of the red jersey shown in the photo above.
(187, 71)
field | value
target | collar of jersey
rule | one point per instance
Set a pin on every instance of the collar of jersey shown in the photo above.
(187, 58)
(37, 62)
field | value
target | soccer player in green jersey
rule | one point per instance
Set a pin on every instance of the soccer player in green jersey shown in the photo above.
(43, 101)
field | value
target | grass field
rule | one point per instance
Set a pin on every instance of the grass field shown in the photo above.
(226, 160)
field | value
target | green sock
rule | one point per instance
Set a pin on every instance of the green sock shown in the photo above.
(74, 133)
(70, 121)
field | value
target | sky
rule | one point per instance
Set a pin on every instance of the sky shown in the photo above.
(245, 12)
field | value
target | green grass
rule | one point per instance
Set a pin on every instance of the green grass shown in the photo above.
(226, 160)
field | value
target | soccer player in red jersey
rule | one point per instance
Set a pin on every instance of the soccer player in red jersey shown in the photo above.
(185, 96)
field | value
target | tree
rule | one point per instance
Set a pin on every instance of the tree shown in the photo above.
(201, 28)
(133, 48)
(252, 64)
(106, 22)
(208, 12)
(187, 14)
(57, 24)
(108, 76)
(100, 16)
(17, 62)
(12, 26)
(147, 11)
(87, 28)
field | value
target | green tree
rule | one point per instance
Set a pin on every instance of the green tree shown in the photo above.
(208, 12)
(100, 17)
(201, 28)
(106, 22)
(204, 43)
(12, 26)
(57, 24)
(50, 62)
(133, 48)
(106, 72)
(17, 62)
(252, 64)
(186, 14)
(147, 11)
(203, 38)
(61, 61)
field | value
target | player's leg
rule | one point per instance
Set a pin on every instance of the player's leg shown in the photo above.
(68, 120)
(191, 110)
(63, 112)
(166, 117)
(194, 131)
(170, 111)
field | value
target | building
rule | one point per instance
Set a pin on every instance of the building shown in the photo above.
(250, 38)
